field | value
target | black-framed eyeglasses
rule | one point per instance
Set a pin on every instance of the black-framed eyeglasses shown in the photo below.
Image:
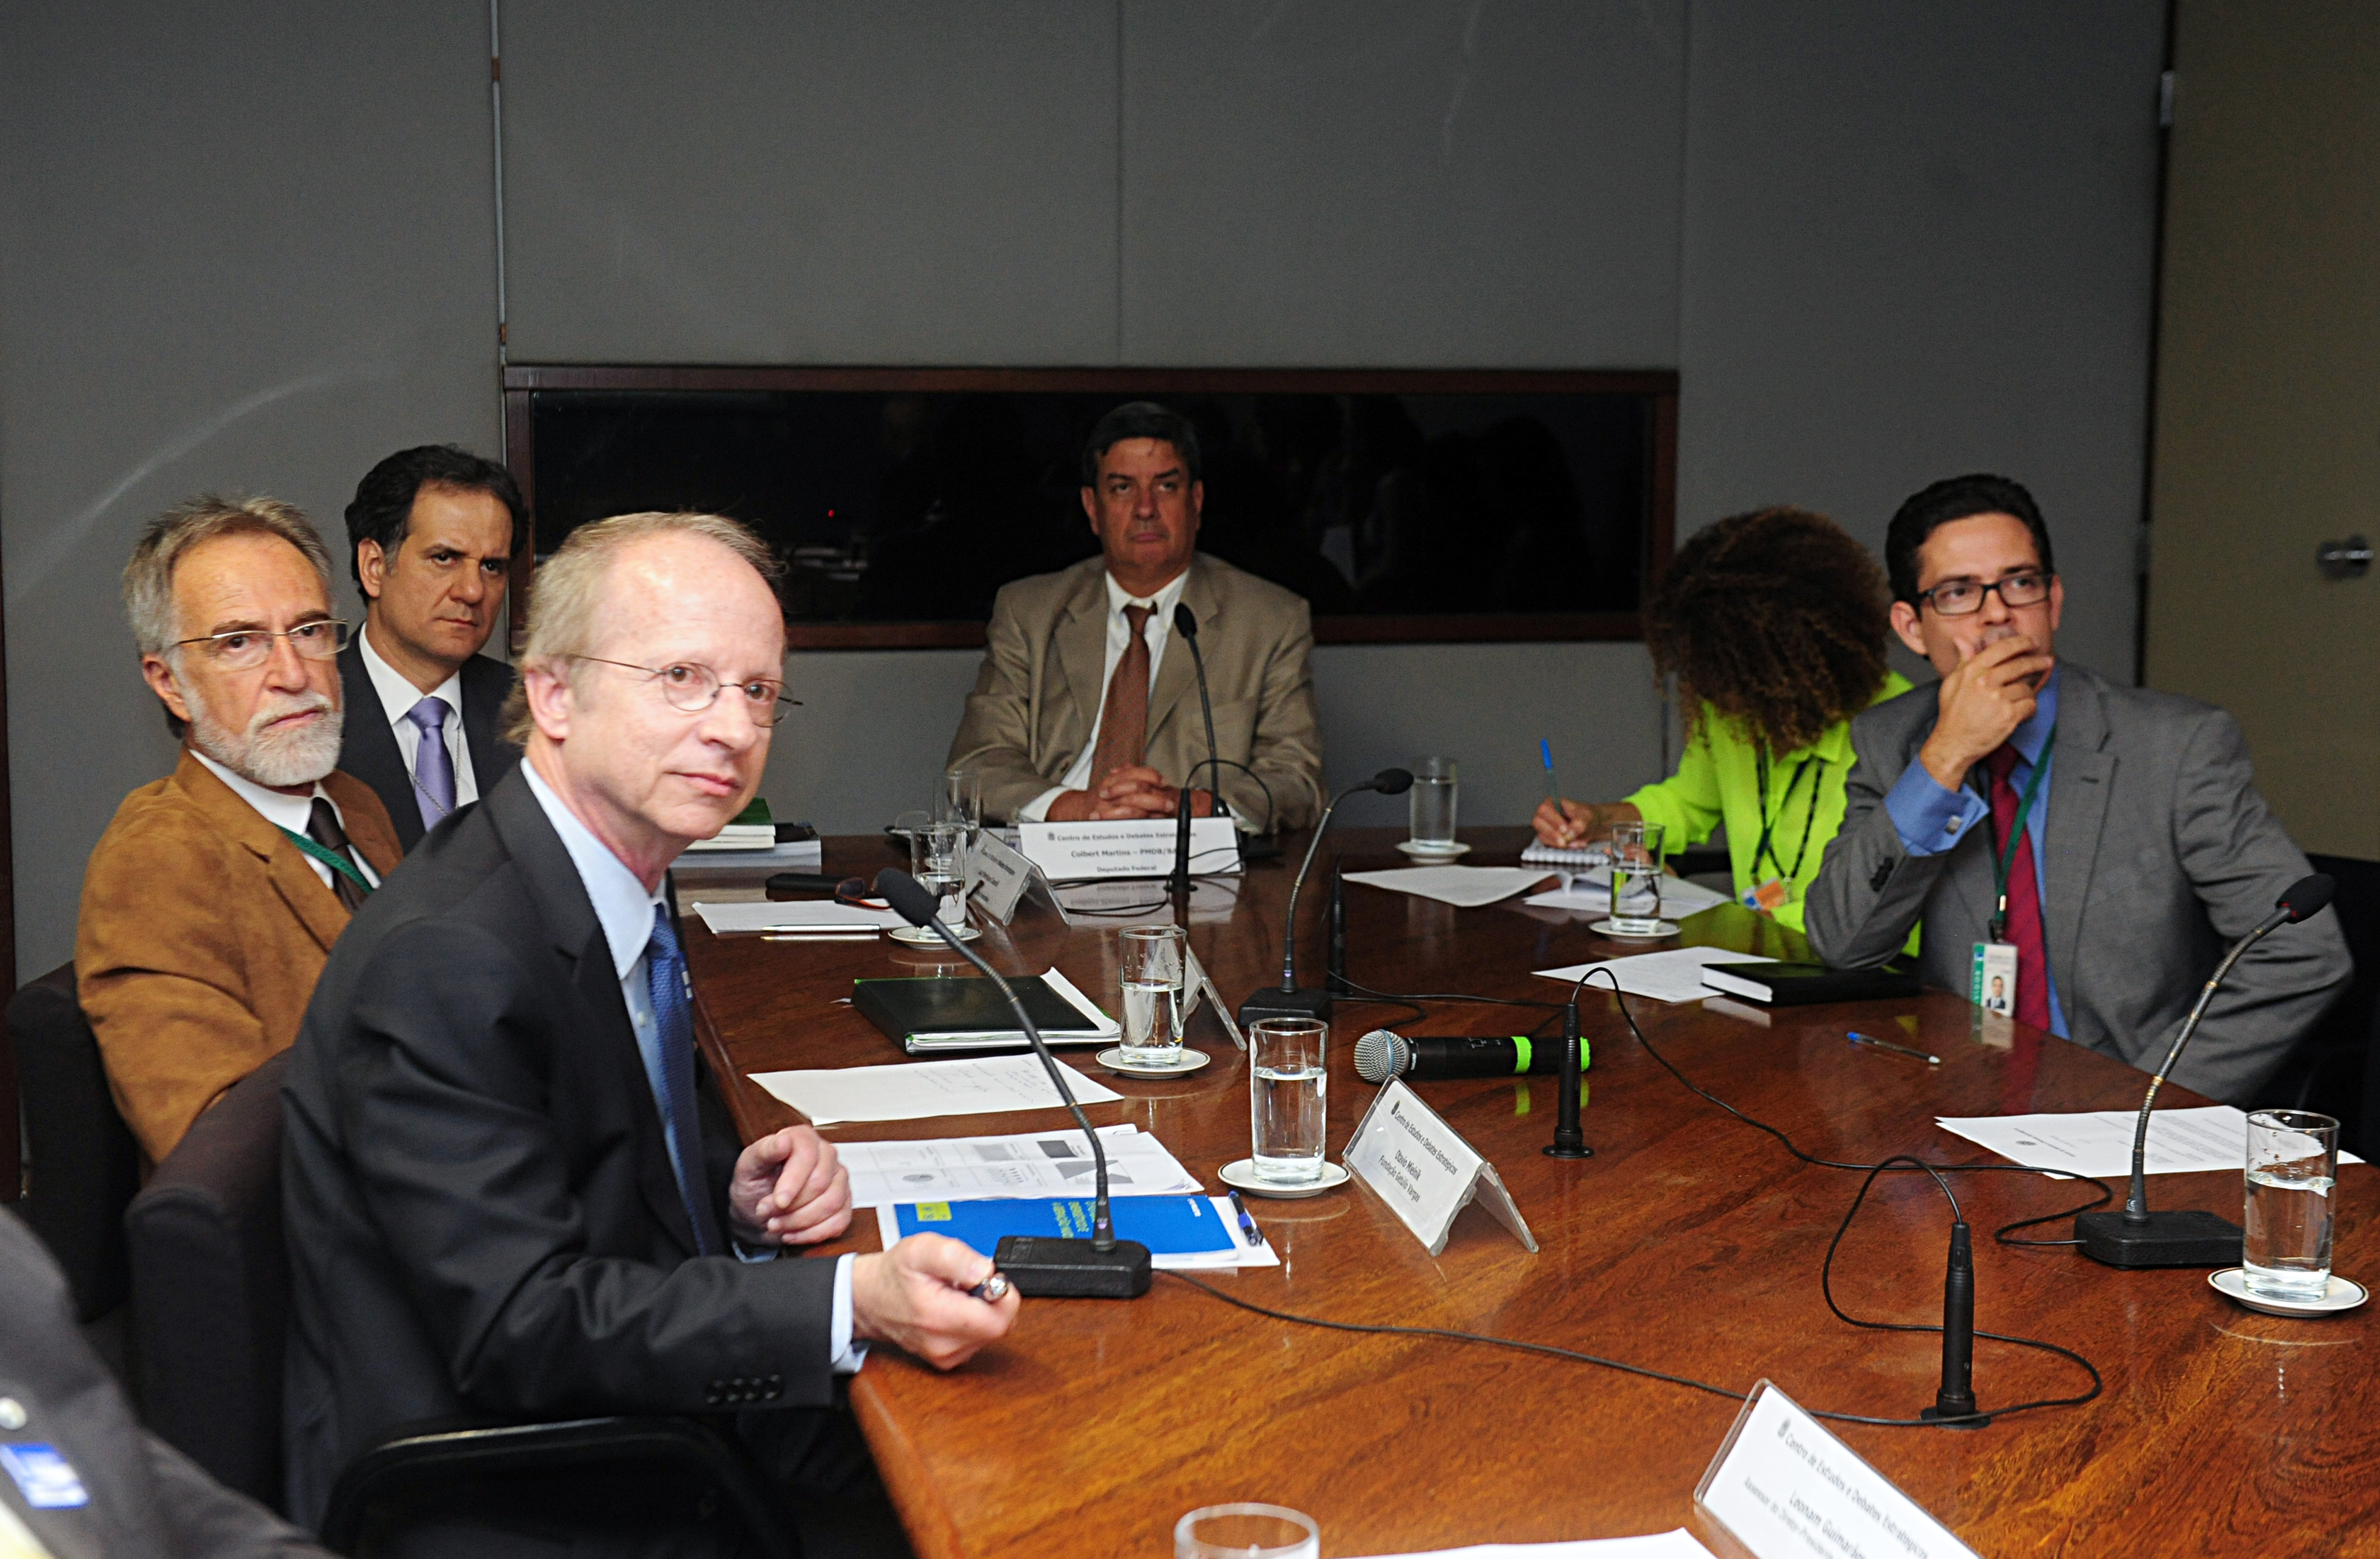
(244, 649)
(694, 689)
(1961, 598)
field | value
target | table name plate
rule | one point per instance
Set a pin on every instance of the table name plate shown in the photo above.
(1422, 1167)
(1074, 852)
(1785, 1489)
(1003, 879)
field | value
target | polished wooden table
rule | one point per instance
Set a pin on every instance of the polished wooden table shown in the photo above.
(1690, 1243)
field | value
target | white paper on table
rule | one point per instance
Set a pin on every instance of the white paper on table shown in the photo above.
(1466, 887)
(1075, 998)
(1032, 1163)
(1674, 974)
(1677, 1544)
(1242, 1254)
(1591, 890)
(800, 915)
(2099, 1142)
(971, 1086)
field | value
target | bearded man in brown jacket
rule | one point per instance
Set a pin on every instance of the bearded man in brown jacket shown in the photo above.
(210, 903)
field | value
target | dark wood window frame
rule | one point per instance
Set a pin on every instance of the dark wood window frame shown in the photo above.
(522, 381)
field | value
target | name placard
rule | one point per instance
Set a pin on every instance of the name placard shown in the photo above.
(1785, 1489)
(1003, 879)
(1422, 1167)
(1074, 852)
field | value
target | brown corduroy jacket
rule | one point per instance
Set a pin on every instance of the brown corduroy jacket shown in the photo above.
(201, 933)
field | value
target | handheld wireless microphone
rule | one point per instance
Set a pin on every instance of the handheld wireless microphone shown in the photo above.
(2137, 1237)
(1101, 1267)
(1383, 1053)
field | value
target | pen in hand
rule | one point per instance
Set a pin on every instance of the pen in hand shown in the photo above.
(1859, 1039)
(1554, 785)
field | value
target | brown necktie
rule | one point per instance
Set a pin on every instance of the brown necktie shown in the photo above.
(1124, 720)
(322, 827)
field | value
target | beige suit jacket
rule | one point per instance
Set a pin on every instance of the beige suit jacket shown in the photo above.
(1038, 696)
(201, 933)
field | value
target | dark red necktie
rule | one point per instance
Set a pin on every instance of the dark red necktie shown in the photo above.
(2023, 929)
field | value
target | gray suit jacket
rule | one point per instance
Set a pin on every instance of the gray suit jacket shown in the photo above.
(1044, 675)
(2159, 853)
(145, 1497)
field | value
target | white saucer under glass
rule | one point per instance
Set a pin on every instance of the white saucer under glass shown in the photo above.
(2344, 1294)
(1115, 1060)
(1241, 1174)
(1661, 930)
(925, 936)
(1433, 851)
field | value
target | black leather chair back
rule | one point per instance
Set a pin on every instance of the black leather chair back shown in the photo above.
(211, 1289)
(85, 1165)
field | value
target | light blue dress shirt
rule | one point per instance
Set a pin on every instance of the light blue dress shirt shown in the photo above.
(626, 913)
(1931, 820)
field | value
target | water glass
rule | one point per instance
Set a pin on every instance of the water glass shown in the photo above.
(1153, 964)
(937, 858)
(1289, 1082)
(1246, 1531)
(960, 800)
(2293, 1165)
(1430, 803)
(1636, 878)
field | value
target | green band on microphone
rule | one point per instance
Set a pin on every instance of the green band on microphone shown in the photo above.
(1520, 1053)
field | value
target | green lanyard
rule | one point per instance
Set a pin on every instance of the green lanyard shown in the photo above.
(331, 858)
(2007, 847)
(1769, 823)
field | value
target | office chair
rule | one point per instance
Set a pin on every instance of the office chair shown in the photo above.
(210, 1319)
(85, 1163)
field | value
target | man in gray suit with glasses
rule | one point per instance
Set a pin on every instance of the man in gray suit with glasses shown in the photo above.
(2097, 846)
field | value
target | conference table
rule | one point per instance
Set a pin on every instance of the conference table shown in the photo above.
(1690, 1243)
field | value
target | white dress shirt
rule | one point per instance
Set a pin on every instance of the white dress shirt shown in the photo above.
(292, 812)
(626, 913)
(397, 697)
(1157, 629)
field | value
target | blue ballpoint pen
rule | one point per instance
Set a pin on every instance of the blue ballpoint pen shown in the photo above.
(1247, 1225)
(1553, 786)
(1859, 1039)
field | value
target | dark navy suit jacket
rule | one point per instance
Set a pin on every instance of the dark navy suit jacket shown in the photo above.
(370, 751)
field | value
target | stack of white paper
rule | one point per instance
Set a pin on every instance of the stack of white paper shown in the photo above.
(1032, 1164)
(977, 1086)
(1591, 890)
(1680, 1544)
(1672, 974)
(2099, 1142)
(1466, 887)
(807, 914)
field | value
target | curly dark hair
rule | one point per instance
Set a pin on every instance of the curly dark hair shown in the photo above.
(1775, 618)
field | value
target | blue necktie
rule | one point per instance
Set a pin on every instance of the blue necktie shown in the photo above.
(433, 766)
(673, 1025)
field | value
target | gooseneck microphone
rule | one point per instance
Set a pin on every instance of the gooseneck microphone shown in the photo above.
(1101, 1267)
(1185, 623)
(2137, 1237)
(1383, 1053)
(1289, 1001)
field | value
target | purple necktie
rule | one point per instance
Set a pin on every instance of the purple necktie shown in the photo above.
(433, 766)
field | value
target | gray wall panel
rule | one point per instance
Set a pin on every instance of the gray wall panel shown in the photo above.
(1413, 183)
(710, 181)
(241, 249)
(1919, 242)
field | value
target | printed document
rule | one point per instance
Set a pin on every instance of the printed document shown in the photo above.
(1466, 887)
(1591, 890)
(1678, 1544)
(1674, 974)
(797, 914)
(2099, 1142)
(1032, 1164)
(974, 1086)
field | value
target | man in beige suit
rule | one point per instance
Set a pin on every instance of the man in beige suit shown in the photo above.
(211, 901)
(1086, 709)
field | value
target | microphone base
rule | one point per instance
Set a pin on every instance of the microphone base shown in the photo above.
(2167, 1239)
(1274, 1002)
(1073, 1269)
(1936, 1416)
(1567, 1151)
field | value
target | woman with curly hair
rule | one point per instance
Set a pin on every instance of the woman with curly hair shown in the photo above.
(1775, 625)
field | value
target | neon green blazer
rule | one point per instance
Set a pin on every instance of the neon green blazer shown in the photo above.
(1719, 780)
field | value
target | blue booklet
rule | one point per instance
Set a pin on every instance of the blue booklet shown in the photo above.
(1178, 1225)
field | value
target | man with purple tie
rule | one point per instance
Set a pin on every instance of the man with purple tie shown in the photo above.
(432, 532)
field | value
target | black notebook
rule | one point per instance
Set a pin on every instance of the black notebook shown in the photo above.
(1796, 984)
(930, 1016)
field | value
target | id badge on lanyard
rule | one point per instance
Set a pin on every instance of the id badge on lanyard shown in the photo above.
(1995, 970)
(1771, 894)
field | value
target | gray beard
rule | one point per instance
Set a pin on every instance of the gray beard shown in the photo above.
(274, 761)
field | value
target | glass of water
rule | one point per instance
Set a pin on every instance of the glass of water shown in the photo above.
(1246, 1531)
(2292, 1165)
(1288, 1085)
(1636, 878)
(1430, 804)
(1153, 964)
(938, 859)
(960, 800)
